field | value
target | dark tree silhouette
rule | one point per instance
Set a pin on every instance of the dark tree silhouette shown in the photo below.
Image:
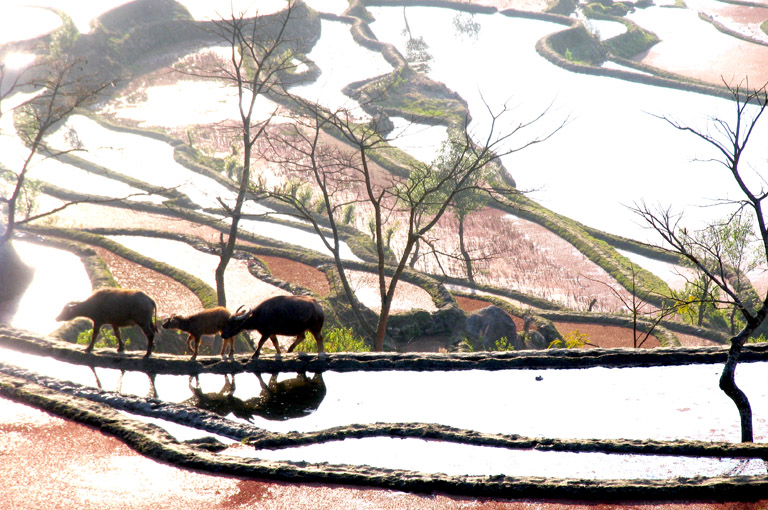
(730, 139)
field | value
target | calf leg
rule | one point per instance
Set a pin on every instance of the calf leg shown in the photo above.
(196, 344)
(228, 342)
(319, 339)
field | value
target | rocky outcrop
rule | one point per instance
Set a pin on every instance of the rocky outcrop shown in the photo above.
(491, 324)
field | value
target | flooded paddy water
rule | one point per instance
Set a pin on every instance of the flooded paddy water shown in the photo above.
(541, 404)
(586, 179)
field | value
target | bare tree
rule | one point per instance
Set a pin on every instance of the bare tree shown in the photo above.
(728, 243)
(340, 175)
(637, 303)
(262, 54)
(41, 96)
(730, 138)
(57, 87)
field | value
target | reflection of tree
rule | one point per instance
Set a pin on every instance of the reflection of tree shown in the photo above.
(416, 48)
(464, 23)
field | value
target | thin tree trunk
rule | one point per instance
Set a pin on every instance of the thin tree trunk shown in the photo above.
(228, 248)
(381, 330)
(414, 256)
(464, 252)
(728, 385)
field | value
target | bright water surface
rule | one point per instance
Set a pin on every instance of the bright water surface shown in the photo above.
(612, 153)
(636, 403)
(52, 287)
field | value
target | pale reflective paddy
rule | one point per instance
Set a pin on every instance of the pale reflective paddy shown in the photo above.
(681, 402)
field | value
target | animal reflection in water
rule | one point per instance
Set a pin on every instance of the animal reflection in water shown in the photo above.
(151, 376)
(278, 401)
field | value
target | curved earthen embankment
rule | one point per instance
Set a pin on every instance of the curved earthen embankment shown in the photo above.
(377, 361)
(103, 410)
(648, 74)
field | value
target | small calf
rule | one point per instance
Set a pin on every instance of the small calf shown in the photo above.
(118, 308)
(280, 315)
(207, 322)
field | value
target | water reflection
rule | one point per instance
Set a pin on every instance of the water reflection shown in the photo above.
(151, 376)
(461, 459)
(59, 277)
(21, 22)
(279, 400)
(611, 137)
(643, 403)
(342, 62)
(421, 141)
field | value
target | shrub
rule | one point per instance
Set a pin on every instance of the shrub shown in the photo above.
(107, 338)
(503, 344)
(635, 40)
(336, 340)
(573, 340)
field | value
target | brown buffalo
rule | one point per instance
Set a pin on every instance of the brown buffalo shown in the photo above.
(118, 308)
(206, 322)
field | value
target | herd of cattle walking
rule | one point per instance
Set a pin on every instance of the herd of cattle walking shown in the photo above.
(279, 315)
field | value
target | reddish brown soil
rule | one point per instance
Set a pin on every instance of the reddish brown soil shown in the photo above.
(56, 464)
(470, 305)
(739, 61)
(600, 335)
(295, 272)
(171, 296)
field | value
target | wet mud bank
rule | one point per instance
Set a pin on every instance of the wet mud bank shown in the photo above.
(106, 411)
(155, 443)
(376, 361)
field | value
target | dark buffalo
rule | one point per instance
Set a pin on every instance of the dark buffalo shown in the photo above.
(280, 315)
